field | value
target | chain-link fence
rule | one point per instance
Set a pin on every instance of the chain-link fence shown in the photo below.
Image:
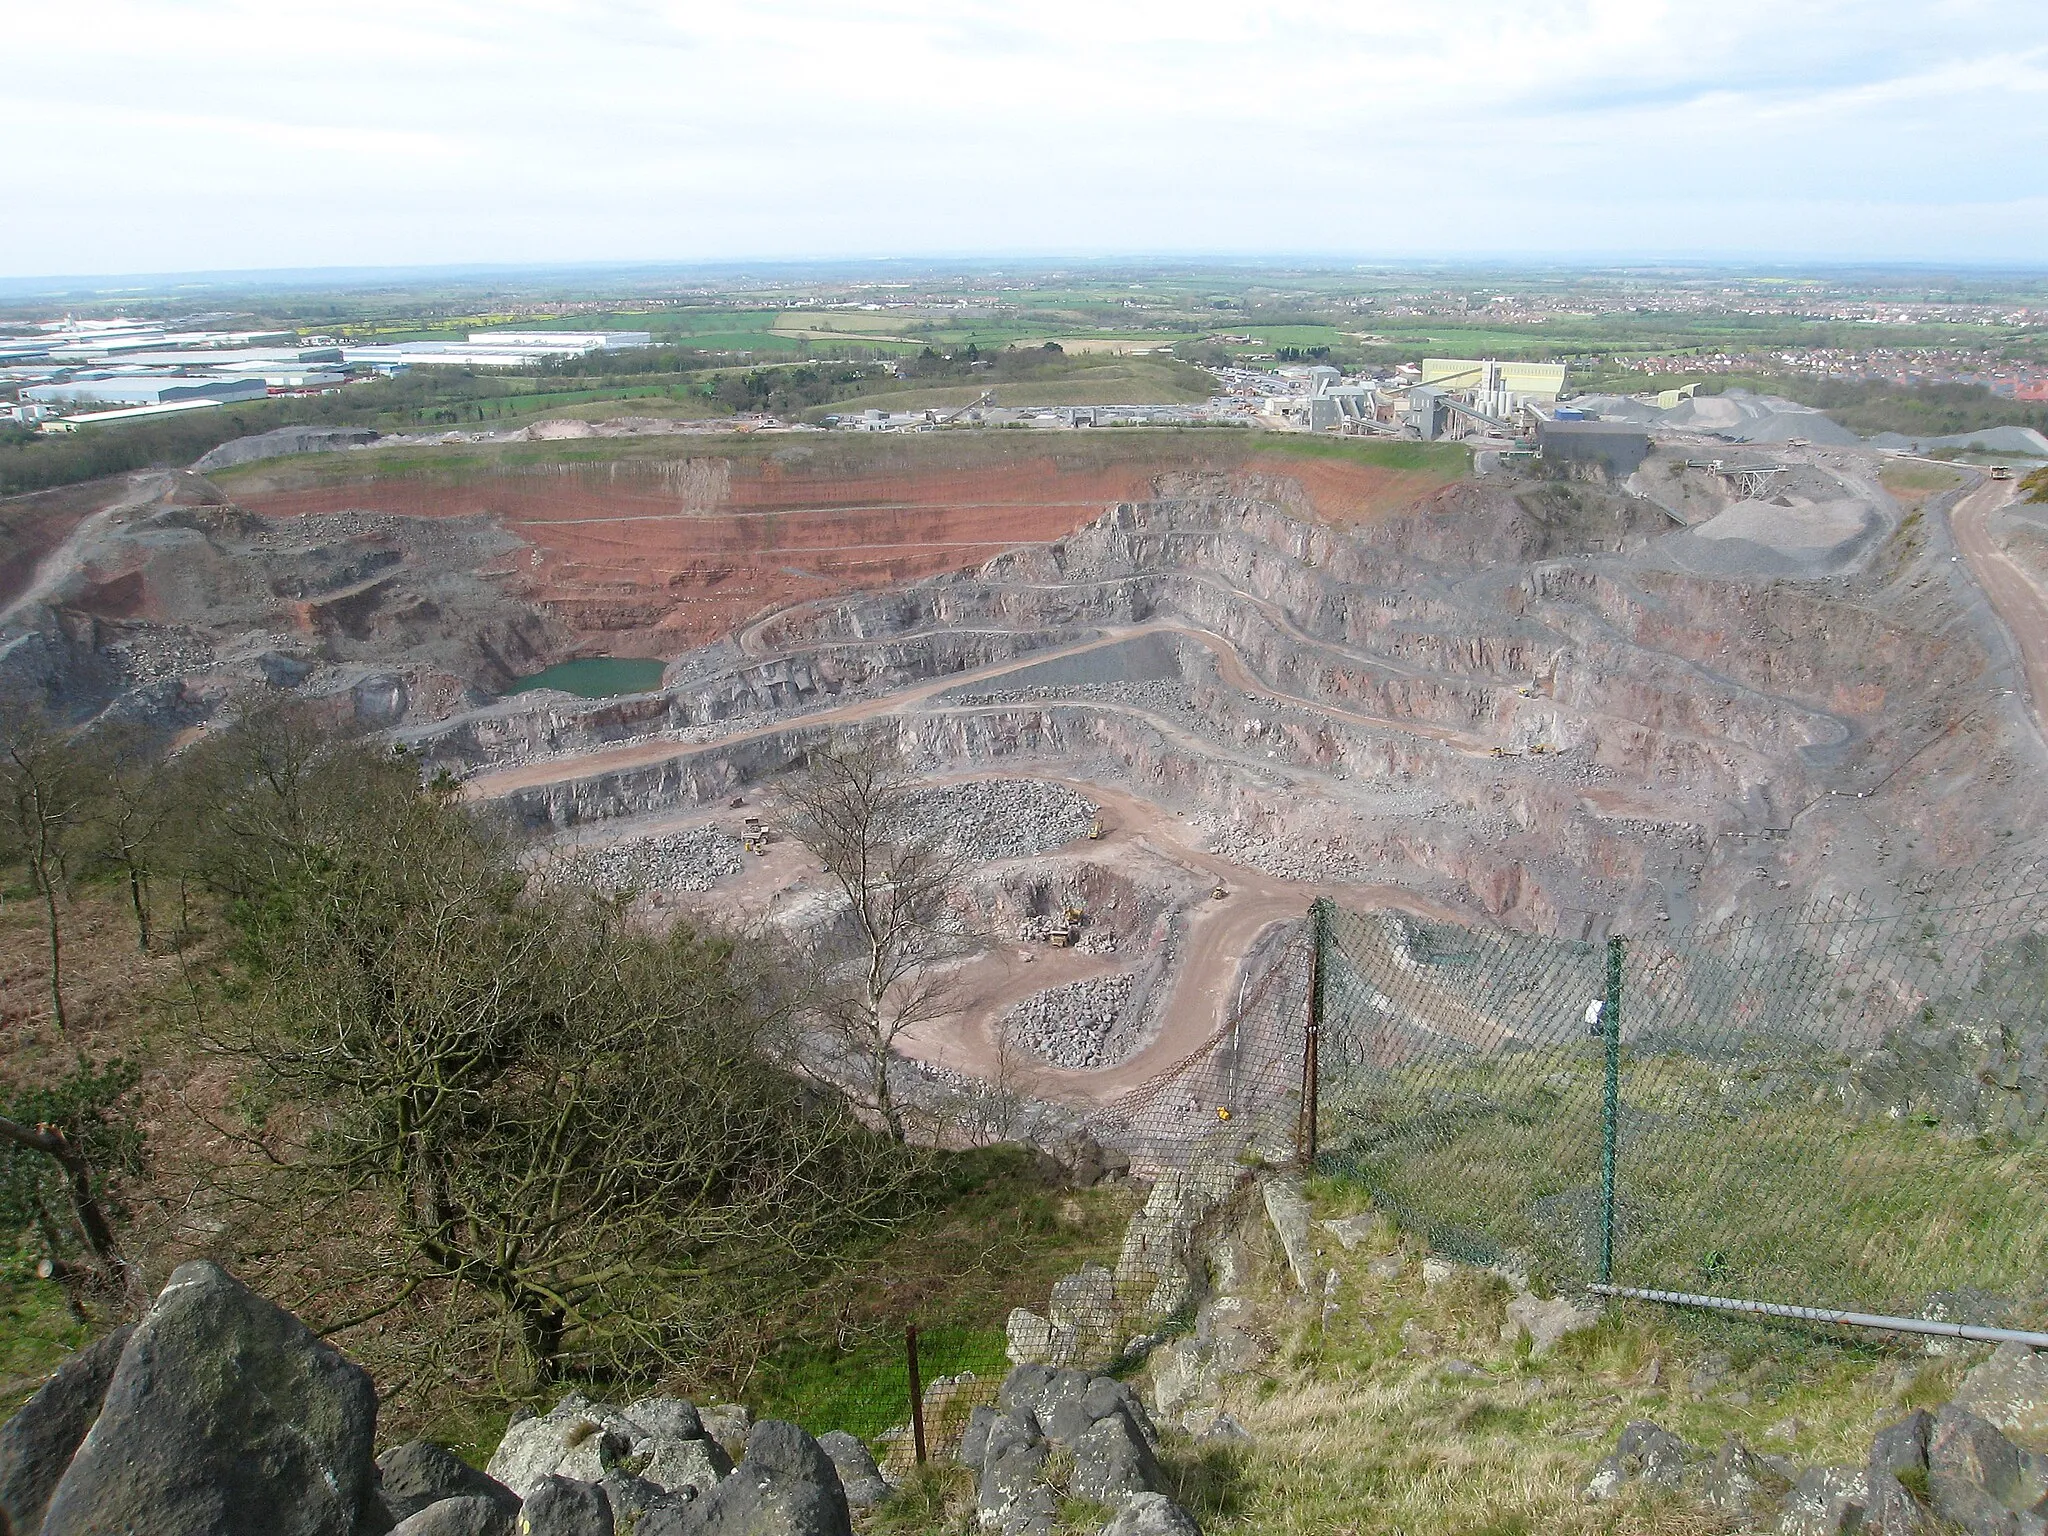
(1834, 1107)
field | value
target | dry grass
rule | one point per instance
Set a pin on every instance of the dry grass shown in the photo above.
(1359, 1429)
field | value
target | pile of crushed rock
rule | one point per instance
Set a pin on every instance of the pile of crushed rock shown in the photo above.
(677, 861)
(1077, 1025)
(990, 819)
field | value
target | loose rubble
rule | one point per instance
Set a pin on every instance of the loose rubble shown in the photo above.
(678, 861)
(1077, 1025)
(989, 819)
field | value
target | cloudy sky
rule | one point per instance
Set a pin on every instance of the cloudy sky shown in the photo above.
(170, 135)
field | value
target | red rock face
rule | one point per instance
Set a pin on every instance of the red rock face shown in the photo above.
(652, 556)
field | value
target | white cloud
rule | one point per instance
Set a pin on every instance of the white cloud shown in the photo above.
(169, 134)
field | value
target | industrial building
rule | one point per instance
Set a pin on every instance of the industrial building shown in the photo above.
(157, 389)
(1616, 446)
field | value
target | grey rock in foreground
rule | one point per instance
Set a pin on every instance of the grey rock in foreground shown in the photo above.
(562, 1506)
(420, 1473)
(1151, 1514)
(785, 1485)
(227, 1417)
(858, 1474)
(37, 1444)
(470, 1515)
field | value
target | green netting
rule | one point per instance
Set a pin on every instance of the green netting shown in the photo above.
(1835, 1107)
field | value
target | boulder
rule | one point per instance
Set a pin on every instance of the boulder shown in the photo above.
(1976, 1477)
(2010, 1391)
(673, 1465)
(469, 1515)
(1547, 1322)
(1890, 1510)
(534, 1447)
(593, 1448)
(420, 1473)
(225, 1415)
(1223, 1430)
(1156, 1264)
(974, 1440)
(1350, 1231)
(633, 1498)
(1737, 1478)
(858, 1475)
(1151, 1514)
(1033, 1340)
(671, 1418)
(1644, 1453)
(728, 1424)
(1287, 1209)
(1084, 1307)
(1011, 1494)
(1826, 1501)
(1902, 1447)
(785, 1485)
(37, 1444)
(563, 1506)
(1112, 1462)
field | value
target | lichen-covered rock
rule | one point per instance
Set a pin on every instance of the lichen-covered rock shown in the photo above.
(563, 1506)
(1645, 1453)
(1976, 1477)
(673, 1418)
(1547, 1322)
(858, 1475)
(1826, 1501)
(419, 1473)
(469, 1515)
(674, 1465)
(1151, 1514)
(224, 1416)
(1113, 1462)
(1287, 1209)
(1033, 1340)
(1083, 1306)
(36, 1445)
(2010, 1391)
(1156, 1269)
(784, 1485)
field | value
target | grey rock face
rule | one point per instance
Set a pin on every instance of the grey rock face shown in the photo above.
(784, 1486)
(1737, 1479)
(224, 1416)
(1902, 1447)
(2010, 1391)
(1288, 1211)
(1112, 1462)
(1827, 1501)
(561, 1506)
(674, 1465)
(36, 1445)
(974, 1440)
(633, 1498)
(728, 1424)
(470, 1515)
(1645, 1453)
(1151, 1514)
(419, 1473)
(1978, 1478)
(1889, 1510)
(858, 1475)
(674, 1417)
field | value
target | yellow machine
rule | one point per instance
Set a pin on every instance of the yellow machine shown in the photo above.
(1095, 830)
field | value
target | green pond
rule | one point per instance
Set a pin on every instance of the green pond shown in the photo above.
(596, 677)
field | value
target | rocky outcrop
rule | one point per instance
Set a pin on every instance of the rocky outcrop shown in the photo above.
(1108, 1455)
(1927, 1473)
(224, 1415)
(37, 1444)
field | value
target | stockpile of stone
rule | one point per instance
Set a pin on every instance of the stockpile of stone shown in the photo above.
(678, 861)
(1081, 1025)
(1311, 859)
(990, 819)
(221, 1413)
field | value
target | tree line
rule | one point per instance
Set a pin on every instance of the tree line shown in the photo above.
(480, 1109)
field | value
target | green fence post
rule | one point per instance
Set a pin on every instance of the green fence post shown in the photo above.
(1610, 1107)
(1311, 1066)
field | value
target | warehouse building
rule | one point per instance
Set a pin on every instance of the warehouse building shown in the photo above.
(157, 389)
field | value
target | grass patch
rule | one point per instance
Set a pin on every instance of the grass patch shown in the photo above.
(1449, 461)
(1914, 483)
(36, 1332)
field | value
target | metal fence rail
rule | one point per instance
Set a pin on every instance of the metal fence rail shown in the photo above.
(1833, 1107)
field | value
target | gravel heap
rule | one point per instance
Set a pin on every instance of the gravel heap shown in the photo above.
(1075, 1025)
(989, 819)
(679, 861)
(1290, 857)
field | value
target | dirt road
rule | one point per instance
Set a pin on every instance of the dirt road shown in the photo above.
(2021, 605)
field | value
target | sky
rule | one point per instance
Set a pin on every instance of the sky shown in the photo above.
(179, 135)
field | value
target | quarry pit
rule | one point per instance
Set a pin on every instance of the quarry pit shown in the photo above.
(1138, 669)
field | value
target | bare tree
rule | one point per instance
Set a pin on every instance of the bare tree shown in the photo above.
(130, 816)
(45, 790)
(889, 966)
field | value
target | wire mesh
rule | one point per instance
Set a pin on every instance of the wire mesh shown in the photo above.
(1833, 1106)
